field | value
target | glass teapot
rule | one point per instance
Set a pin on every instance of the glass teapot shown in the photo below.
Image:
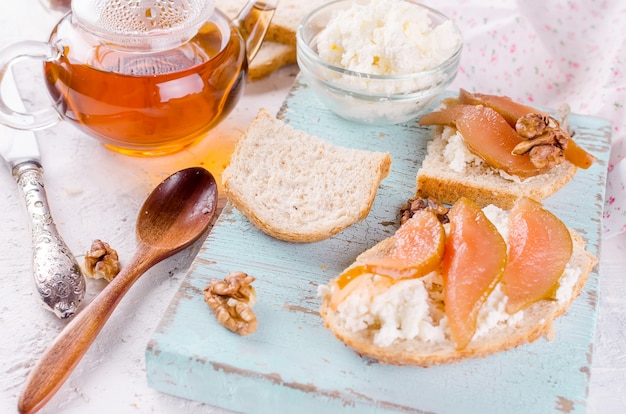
(145, 77)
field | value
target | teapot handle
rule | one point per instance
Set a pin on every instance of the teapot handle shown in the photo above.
(253, 21)
(38, 119)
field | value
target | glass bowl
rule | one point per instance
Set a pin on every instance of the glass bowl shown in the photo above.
(371, 98)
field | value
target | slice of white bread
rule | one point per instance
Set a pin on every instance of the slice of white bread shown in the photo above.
(297, 187)
(534, 321)
(480, 182)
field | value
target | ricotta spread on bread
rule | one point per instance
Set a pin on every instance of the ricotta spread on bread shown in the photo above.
(409, 308)
(456, 152)
(402, 311)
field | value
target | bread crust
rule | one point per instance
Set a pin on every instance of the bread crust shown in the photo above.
(482, 183)
(537, 322)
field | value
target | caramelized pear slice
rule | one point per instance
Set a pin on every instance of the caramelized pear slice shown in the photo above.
(575, 154)
(505, 106)
(473, 263)
(417, 250)
(512, 111)
(446, 116)
(373, 283)
(540, 246)
(486, 134)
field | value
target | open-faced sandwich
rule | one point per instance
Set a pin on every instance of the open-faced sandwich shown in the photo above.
(458, 283)
(494, 151)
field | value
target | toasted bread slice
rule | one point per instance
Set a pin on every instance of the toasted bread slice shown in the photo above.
(432, 344)
(297, 187)
(480, 182)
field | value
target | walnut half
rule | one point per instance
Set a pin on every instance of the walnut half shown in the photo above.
(415, 204)
(231, 300)
(544, 140)
(101, 261)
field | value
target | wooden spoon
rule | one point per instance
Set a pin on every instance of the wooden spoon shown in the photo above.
(176, 214)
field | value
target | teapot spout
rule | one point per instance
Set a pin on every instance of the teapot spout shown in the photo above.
(253, 21)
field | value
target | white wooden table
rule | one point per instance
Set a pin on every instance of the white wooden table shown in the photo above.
(95, 193)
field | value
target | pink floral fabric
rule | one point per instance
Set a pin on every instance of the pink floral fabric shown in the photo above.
(548, 53)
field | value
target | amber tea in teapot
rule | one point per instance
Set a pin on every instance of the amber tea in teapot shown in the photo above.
(163, 103)
(153, 88)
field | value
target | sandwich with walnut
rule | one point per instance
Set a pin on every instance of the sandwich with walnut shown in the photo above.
(494, 151)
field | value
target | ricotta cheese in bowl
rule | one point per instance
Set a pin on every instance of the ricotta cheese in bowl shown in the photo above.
(379, 62)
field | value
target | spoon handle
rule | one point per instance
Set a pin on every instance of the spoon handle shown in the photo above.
(64, 353)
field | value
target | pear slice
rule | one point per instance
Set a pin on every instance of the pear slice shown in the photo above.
(488, 135)
(512, 111)
(505, 106)
(473, 263)
(446, 116)
(367, 282)
(540, 246)
(417, 250)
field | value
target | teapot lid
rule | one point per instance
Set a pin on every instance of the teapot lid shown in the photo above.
(149, 24)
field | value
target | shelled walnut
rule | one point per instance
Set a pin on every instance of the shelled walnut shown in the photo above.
(231, 300)
(544, 140)
(101, 261)
(415, 204)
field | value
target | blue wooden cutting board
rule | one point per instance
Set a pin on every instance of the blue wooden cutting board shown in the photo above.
(293, 364)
